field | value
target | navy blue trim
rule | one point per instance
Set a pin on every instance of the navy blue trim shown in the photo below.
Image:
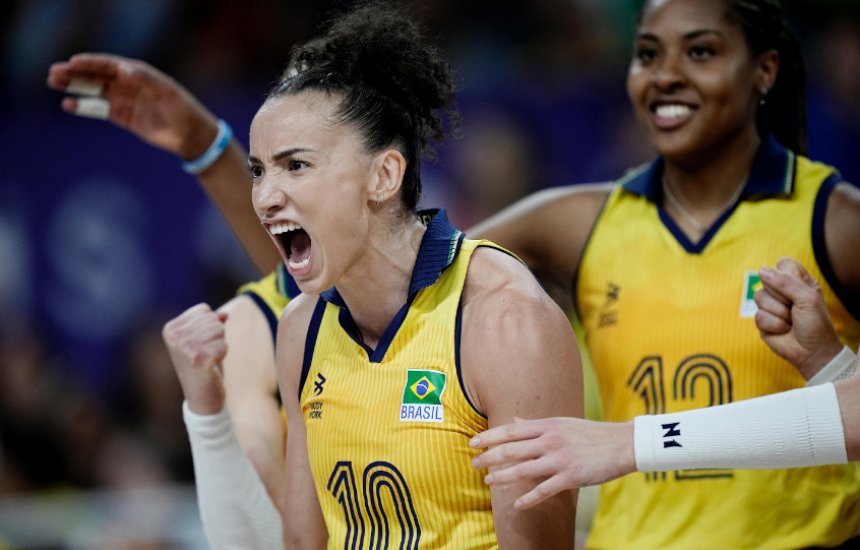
(267, 312)
(310, 341)
(286, 284)
(772, 173)
(458, 331)
(681, 237)
(819, 247)
(439, 247)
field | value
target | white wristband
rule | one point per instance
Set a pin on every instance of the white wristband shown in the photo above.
(235, 508)
(791, 429)
(839, 368)
(213, 153)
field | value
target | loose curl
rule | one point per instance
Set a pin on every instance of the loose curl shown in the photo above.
(395, 87)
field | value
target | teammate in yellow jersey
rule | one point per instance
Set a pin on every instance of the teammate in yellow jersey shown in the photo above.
(664, 266)
(238, 474)
(802, 427)
(418, 339)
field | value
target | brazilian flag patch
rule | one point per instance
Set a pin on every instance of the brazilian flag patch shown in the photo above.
(422, 396)
(752, 282)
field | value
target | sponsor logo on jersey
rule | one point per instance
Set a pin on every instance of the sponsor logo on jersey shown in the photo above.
(752, 282)
(422, 396)
(609, 310)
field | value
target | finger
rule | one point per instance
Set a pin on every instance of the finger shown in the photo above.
(773, 303)
(543, 491)
(795, 269)
(788, 286)
(530, 469)
(506, 453)
(519, 430)
(770, 324)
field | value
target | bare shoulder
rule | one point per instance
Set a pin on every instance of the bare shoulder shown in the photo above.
(514, 339)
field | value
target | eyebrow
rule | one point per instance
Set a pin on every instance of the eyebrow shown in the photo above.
(280, 155)
(692, 35)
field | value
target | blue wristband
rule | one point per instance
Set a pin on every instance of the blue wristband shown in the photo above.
(213, 153)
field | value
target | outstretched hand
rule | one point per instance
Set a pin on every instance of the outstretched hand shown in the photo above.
(792, 318)
(142, 99)
(567, 453)
(197, 346)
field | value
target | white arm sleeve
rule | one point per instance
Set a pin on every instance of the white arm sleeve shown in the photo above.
(839, 368)
(235, 508)
(791, 429)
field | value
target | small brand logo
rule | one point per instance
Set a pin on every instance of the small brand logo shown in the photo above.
(752, 282)
(316, 410)
(672, 430)
(422, 396)
(318, 383)
(608, 312)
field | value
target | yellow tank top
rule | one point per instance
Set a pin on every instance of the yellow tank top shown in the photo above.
(669, 326)
(388, 429)
(272, 293)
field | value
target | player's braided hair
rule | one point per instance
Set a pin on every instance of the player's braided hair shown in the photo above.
(395, 86)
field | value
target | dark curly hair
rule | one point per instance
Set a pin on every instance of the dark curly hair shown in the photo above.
(765, 26)
(396, 88)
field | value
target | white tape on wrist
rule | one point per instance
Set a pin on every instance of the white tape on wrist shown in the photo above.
(82, 86)
(93, 107)
(839, 368)
(791, 429)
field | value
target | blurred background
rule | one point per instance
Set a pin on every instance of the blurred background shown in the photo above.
(103, 238)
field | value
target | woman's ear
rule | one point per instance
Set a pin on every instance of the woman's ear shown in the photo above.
(768, 69)
(389, 168)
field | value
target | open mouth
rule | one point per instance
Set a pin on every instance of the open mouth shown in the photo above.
(294, 242)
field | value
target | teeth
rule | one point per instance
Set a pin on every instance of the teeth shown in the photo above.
(672, 111)
(299, 265)
(283, 227)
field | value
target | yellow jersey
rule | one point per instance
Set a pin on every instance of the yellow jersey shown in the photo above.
(272, 293)
(388, 429)
(669, 326)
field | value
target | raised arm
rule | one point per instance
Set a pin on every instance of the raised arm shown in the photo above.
(214, 355)
(161, 112)
(519, 359)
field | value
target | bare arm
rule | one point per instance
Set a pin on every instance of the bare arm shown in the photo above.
(304, 527)
(520, 360)
(235, 506)
(848, 392)
(158, 110)
(841, 234)
(250, 381)
(531, 229)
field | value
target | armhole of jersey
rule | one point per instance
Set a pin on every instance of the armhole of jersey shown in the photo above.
(267, 312)
(617, 188)
(310, 341)
(458, 330)
(819, 246)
